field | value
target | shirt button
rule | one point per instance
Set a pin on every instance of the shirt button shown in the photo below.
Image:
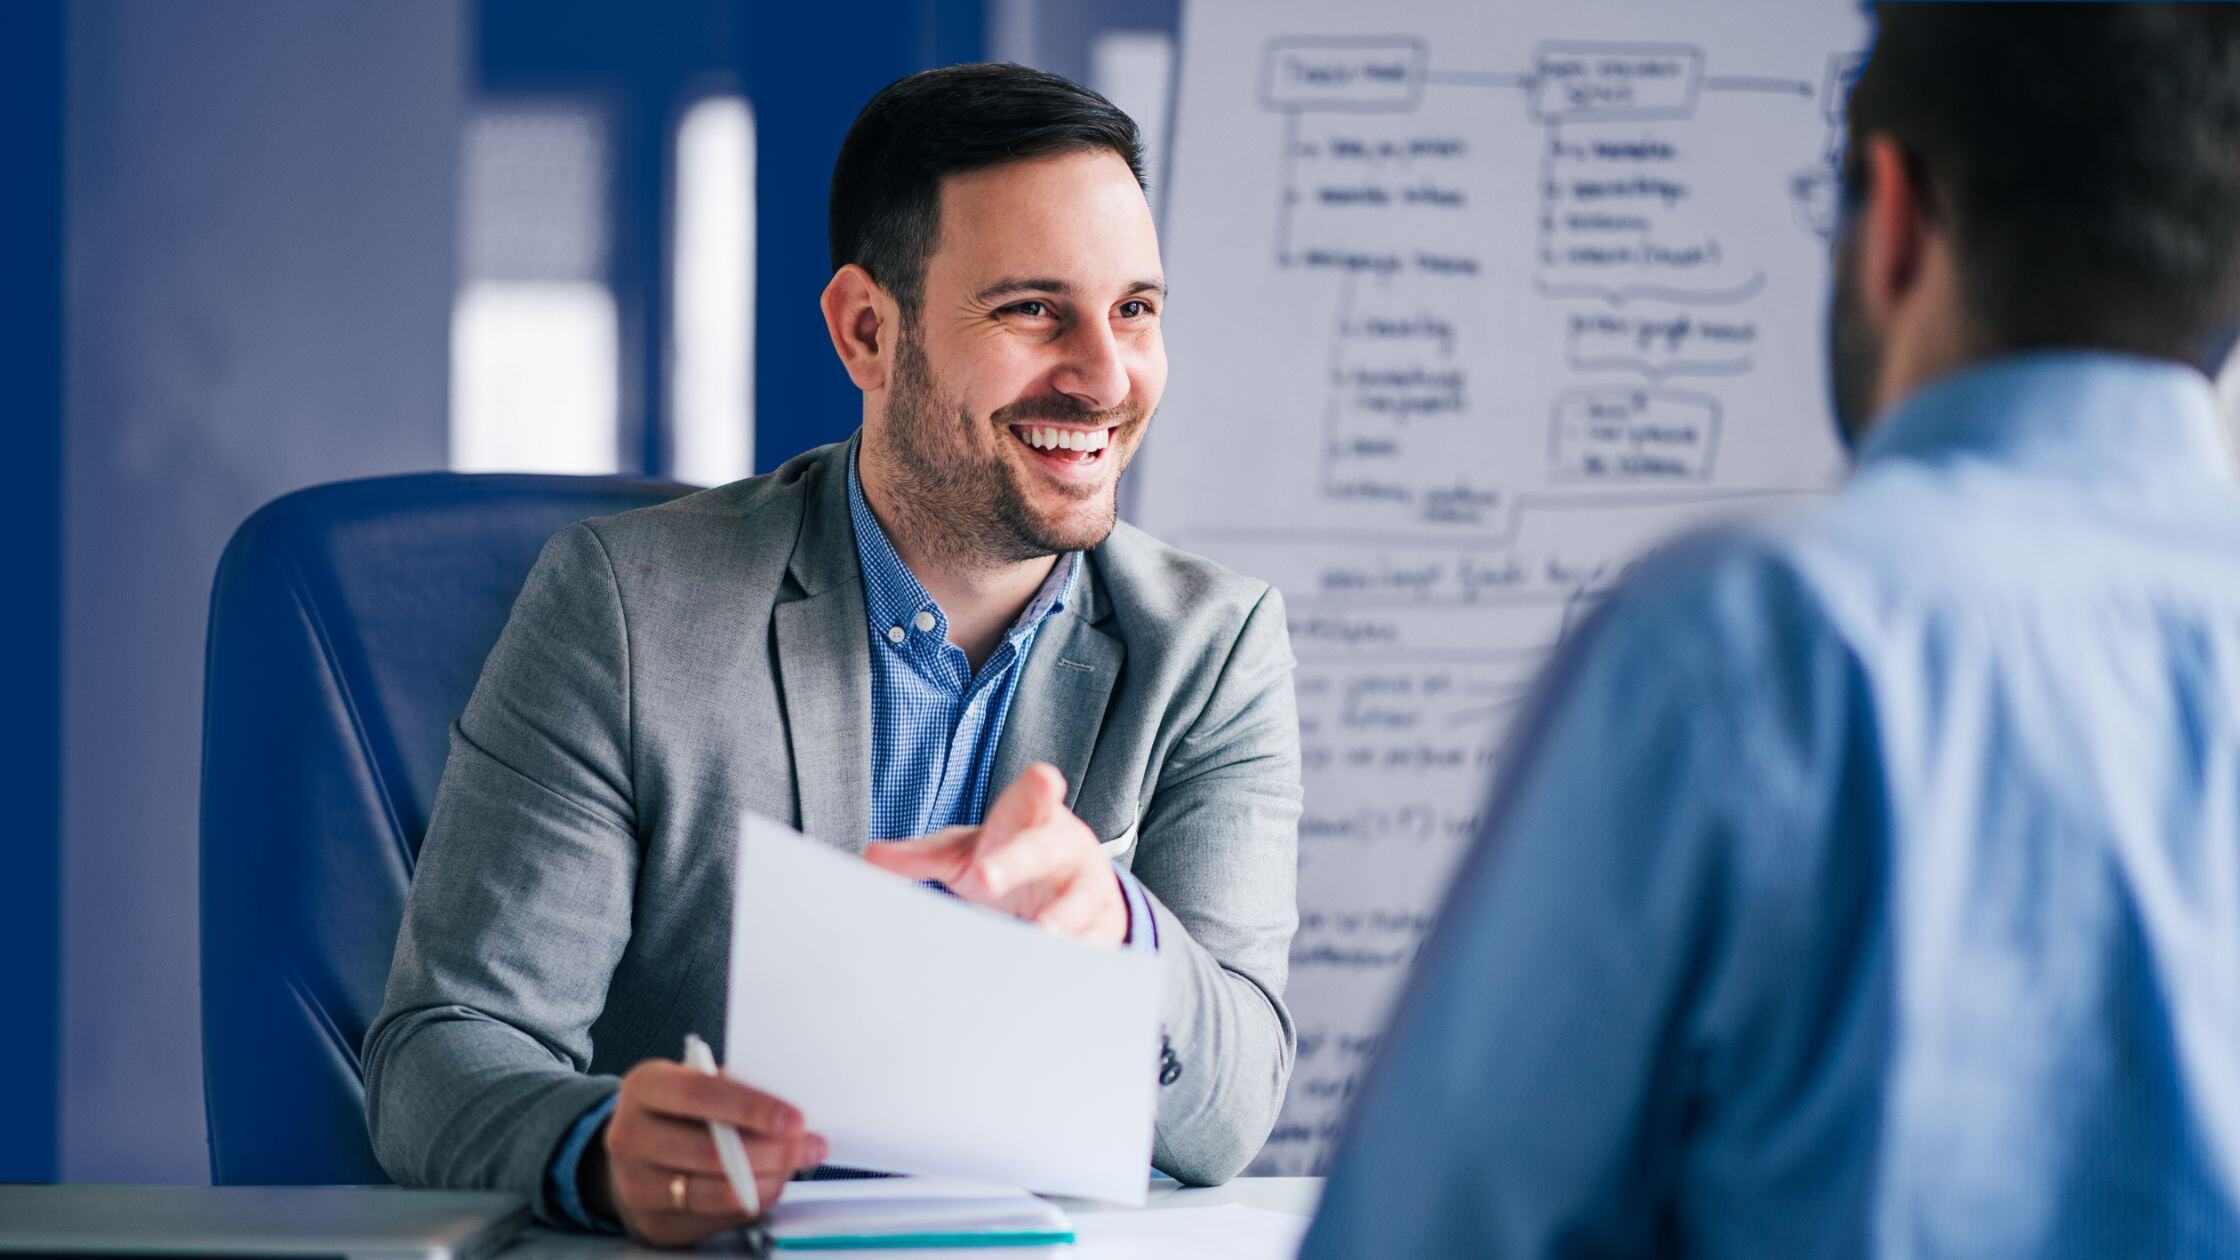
(925, 621)
(894, 634)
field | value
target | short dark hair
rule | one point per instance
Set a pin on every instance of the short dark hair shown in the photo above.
(2088, 158)
(886, 185)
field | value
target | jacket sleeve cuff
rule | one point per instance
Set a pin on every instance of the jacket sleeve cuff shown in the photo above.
(562, 1188)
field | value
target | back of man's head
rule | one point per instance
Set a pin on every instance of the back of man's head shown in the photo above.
(2086, 159)
(885, 209)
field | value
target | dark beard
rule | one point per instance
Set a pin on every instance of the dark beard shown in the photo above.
(963, 509)
(1854, 352)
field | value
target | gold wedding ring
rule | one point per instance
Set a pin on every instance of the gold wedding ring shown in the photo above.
(676, 1192)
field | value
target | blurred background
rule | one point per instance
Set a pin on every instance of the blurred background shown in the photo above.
(254, 245)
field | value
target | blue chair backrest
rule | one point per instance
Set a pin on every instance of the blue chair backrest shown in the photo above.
(347, 627)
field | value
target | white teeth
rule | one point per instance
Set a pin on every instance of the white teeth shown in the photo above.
(1048, 439)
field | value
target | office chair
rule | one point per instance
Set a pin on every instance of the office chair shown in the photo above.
(347, 627)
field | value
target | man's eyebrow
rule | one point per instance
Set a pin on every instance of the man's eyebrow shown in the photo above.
(1021, 284)
(1011, 285)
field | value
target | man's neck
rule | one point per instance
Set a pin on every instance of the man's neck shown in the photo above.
(981, 603)
(980, 600)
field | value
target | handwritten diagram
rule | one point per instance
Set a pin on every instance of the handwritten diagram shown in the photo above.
(1472, 305)
(1637, 270)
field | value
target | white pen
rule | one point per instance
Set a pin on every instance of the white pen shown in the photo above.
(699, 1058)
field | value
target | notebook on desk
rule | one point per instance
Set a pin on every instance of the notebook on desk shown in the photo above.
(360, 1222)
(910, 1212)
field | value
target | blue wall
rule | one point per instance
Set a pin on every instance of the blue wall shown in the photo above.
(809, 68)
(262, 217)
(31, 96)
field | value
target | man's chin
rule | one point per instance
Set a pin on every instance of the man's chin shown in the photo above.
(1077, 531)
(1055, 519)
(1077, 525)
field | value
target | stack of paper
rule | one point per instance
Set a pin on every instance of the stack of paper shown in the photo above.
(912, 1212)
(899, 1216)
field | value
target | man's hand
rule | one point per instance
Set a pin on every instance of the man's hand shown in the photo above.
(659, 1133)
(1030, 857)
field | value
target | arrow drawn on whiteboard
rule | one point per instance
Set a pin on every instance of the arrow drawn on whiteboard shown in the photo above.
(1752, 83)
(1478, 78)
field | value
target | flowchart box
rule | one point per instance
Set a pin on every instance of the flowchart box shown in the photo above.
(1576, 82)
(1625, 434)
(1383, 74)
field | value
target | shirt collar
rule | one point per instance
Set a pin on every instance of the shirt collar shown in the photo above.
(893, 596)
(2107, 418)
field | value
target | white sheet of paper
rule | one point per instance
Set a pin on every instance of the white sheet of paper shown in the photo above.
(919, 1034)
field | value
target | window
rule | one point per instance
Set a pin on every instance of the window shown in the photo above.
(711, 286)
(535, 359)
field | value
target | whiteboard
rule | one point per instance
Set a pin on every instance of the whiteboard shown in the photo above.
(1471, 303)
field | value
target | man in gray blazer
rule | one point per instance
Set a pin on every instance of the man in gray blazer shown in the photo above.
(936, 629)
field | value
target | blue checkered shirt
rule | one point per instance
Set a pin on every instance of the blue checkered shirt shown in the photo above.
(934, 721)
(935, 724)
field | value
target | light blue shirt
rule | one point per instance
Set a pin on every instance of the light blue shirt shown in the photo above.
(1867, 884)
(935, 725)
(935, 721)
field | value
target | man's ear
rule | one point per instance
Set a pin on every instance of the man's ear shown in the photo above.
(1893, 228)
(862, 322)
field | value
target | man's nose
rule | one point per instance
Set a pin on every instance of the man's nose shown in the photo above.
(1095, 370)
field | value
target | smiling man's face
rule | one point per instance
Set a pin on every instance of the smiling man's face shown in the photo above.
(1024, 384)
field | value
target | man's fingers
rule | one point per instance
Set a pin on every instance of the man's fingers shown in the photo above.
(646, 1190)
(780, 1160)
(710, 1203)
(662, 1172)
(785, 1156)
(942, 855)
(662, 1141)
(1001, 866)
(1086, 908)
(1028, 802)
(1019, 860)
(673, 1089)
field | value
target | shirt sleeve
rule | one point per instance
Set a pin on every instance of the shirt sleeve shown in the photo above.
(1142, 935)
(561, 1185)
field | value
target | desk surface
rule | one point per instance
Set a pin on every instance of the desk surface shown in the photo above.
(1279, 1194)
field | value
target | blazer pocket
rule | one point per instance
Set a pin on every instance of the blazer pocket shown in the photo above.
(1120, 848)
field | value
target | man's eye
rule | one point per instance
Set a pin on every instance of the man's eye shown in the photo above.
(1031, 309)
(1134, 309)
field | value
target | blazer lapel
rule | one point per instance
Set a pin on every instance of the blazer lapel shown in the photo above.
(824, 668)
(1059, 708)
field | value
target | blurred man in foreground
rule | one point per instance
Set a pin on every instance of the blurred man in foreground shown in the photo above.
(1870, 883)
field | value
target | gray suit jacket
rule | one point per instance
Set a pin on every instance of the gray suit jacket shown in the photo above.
(665, 669)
